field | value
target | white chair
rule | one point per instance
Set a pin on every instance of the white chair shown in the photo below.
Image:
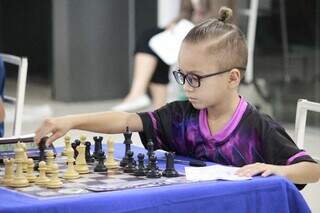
(303, 106)
(22, 64)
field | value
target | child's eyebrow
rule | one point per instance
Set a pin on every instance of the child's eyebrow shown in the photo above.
(191, 71)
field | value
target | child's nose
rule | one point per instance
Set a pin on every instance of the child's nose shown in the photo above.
(187, 87)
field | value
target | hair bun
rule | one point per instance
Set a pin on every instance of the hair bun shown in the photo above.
(225, 14)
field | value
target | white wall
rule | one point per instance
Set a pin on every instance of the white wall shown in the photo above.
(167, 11)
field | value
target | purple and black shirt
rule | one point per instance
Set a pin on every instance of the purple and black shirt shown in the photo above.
(248, 137)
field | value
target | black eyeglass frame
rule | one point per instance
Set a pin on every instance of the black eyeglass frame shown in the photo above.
(199, 77)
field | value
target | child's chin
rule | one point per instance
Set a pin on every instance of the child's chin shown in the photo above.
(198, 106)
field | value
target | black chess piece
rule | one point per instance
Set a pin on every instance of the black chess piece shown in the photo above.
(127, 141)
(141, 170)
(170, 170)
(42, 154)
(130, 167)
(100, 167)
(75, 151)
(154, 171)
(97, 146)
(150, 148)
(89, 158)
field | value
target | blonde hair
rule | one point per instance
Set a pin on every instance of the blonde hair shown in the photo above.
(226, 42)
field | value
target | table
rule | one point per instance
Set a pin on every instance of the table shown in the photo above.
(271, 194)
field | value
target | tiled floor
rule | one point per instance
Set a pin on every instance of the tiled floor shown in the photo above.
(38, 105)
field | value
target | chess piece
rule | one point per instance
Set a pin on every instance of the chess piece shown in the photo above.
(42, 180)
(154, 171)
(97, 146)
(170, 170)
(8, 171)
(130, 167)
(81, 164)
(150, 148)
(100, 166)
(42, 147)
(19, 179)
(24, 165)
(75, 151)
(141, 170)
(67, 144)
(54, 181)
(127, 141)
(89, 158)
(110, 163)
(30, 176)
(50, 161)
(71, 172)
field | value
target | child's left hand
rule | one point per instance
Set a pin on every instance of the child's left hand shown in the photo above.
(260, 168)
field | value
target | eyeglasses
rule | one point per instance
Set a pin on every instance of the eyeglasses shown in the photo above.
(194, 79)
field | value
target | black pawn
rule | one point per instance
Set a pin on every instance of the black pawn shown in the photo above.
(100, 167)
(141, 171)
(130, 167)
(75, 151)
(89, 158)
(170, 170)
(42, 148)
(97, 146)
(127, 142)
(154, 171)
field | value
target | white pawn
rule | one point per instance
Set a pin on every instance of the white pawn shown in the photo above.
(55, 181)
(8, 171)
(50, 161)
(81, 164)
(42, 180)
(110, 163)
(71, 172)
(67, 145)
(30, 176)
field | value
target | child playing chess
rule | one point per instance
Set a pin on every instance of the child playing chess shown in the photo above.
(215, 123)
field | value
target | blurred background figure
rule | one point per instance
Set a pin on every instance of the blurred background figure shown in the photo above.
(150, 72)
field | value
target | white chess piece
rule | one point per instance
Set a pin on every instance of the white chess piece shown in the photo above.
(110, 163)
(81, 164)
(55, 181)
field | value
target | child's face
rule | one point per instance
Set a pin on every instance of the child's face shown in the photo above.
(194, 58)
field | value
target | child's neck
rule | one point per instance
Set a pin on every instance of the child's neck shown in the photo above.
(219, 115)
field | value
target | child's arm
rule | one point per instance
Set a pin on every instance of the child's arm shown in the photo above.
(299, 173)
(104, 122)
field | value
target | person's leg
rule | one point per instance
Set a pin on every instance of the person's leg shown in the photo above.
(144, 67)
(158, 94)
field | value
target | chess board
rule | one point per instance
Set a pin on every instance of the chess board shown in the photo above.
(93, 182)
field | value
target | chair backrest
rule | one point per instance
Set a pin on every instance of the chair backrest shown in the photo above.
(303, 106)
(22, 64)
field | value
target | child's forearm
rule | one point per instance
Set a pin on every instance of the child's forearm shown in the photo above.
(303, 172)
(106, 122)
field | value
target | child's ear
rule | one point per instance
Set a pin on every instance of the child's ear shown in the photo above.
(234, 78)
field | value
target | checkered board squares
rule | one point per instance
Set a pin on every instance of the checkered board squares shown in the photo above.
(93, 182)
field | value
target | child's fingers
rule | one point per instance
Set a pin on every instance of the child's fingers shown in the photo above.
(266, 173)
(53, 137)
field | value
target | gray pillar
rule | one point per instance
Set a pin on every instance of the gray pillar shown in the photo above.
(91, 49)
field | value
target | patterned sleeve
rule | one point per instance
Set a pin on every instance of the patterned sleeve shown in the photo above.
(279, 148)
(158, 125)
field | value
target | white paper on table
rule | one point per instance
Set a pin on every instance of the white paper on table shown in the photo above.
(215, 172)
(167, 43)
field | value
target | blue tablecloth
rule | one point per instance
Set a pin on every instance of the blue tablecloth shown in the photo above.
(271, 194)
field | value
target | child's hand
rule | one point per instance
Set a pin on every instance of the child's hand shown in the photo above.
(57, 126)
(260, 168)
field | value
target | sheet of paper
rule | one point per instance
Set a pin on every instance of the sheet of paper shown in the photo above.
(167, 43)
(215, 172)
